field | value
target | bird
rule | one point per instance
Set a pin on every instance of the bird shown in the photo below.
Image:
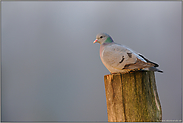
(118, 58)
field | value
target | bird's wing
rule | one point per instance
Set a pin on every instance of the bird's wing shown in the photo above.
(155, 64)
(121, 57)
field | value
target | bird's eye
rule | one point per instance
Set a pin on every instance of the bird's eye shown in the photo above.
(101, 36)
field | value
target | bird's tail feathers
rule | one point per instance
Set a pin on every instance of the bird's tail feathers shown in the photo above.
(153, 69)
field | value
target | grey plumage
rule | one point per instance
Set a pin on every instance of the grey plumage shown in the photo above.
(121, 59)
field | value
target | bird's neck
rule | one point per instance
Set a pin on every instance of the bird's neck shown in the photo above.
(108, 40)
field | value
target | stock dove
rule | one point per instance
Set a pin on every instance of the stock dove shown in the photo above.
(121, 59)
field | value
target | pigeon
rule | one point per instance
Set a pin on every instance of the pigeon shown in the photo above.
(121, 59)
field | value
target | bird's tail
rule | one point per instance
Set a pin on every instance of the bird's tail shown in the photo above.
(153, 69)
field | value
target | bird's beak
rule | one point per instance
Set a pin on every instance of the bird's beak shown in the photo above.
(95, 41)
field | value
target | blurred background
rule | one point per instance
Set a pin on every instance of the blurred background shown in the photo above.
(51, 70)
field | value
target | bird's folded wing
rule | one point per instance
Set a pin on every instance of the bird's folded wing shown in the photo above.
(138, 65)
(117, 56)
(120, 57)
(155, 64)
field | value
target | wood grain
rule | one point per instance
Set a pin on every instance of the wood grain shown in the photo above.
(132, 97)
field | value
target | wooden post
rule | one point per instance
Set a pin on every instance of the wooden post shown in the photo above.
(132, 97)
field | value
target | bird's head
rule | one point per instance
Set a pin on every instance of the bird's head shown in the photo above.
(102, 38)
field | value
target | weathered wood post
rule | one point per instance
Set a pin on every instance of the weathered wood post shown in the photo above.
(132, 97)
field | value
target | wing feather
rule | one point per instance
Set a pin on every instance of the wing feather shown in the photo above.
(138, 65)
(118, 56)
(155, 64)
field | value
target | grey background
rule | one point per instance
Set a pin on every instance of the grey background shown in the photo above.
(51, 70)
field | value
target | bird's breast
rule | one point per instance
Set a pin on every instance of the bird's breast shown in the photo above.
(101, 51)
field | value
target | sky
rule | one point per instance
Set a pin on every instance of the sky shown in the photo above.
(51, 70)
